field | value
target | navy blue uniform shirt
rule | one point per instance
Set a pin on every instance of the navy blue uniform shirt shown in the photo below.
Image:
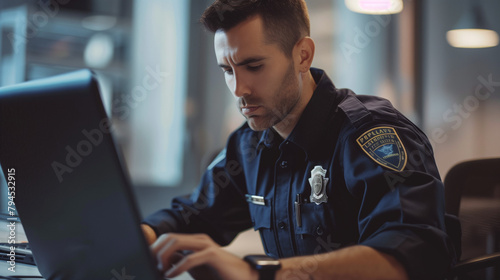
(375, 183)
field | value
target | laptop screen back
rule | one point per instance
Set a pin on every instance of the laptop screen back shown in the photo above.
(73, 198)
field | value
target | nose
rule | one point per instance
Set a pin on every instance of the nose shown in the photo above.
(241, 86)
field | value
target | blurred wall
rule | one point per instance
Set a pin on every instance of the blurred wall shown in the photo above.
(461, 88)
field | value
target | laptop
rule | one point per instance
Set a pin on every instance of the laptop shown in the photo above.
(72, 194)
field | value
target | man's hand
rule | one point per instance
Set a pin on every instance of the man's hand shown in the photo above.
(149, 234)
(205, 252)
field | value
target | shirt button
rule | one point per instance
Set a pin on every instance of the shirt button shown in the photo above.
(319, 230)
(282, 225)
(284, 164)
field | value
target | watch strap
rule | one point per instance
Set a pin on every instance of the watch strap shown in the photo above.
(267, 274)
(266, 270)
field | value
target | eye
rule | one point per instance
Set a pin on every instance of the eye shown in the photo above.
(228, 71)
(254, 68)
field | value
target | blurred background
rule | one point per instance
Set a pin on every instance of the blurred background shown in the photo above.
(161, 84)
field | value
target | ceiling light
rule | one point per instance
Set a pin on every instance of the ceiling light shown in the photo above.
(472, 30)
(99, 22)
(375, 7)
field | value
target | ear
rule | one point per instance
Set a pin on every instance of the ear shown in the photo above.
(305, 54)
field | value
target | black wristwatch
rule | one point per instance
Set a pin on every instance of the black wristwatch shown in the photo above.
(265, 265)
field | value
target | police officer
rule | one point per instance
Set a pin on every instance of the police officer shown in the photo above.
(339, 185)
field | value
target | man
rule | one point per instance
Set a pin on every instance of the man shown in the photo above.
(339, 186)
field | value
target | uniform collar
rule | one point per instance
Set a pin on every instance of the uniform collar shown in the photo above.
(269, 138)
(310, 128)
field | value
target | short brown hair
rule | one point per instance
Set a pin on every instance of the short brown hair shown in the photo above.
(285, 21)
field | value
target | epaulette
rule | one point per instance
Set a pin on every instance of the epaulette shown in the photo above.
(355, 111)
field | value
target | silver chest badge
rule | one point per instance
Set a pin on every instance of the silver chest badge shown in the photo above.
(318, 185)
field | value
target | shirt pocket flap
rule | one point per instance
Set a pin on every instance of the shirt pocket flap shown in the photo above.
(261, 215)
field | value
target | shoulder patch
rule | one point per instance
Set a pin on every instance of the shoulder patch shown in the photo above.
(382, 144)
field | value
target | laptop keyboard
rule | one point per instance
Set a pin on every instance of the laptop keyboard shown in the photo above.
(22, 253)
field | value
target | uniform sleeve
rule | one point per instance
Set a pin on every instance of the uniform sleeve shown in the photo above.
(217, 207)
(402, 211)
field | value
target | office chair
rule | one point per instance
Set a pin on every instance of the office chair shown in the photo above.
(475, 185)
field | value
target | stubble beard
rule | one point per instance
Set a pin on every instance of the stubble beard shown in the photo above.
(284, 101)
